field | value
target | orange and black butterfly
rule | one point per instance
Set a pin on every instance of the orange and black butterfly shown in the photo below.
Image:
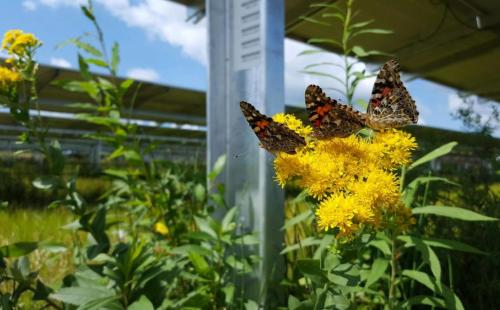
(390, 105)
(329, 117)
(274, 137)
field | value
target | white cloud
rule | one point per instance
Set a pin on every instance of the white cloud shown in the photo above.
(29, 5)
(160, 19)
(143, 74)
(60, 62)
(165, 21)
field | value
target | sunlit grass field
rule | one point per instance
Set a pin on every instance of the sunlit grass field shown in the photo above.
(40, 225)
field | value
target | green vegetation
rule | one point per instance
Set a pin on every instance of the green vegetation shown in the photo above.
(142, 233)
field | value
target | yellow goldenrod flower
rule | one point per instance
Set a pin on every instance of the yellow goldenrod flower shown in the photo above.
(397, 147)
(293, 123)
(10, 37)
(161, 228)
(16, 42)
(351, 177)
(8, 78)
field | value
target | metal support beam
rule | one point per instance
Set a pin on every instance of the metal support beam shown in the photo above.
(246, 62)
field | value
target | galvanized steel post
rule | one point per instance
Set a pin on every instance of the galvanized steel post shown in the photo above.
(246, 62)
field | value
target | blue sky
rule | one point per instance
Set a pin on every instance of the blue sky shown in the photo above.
(158, 45)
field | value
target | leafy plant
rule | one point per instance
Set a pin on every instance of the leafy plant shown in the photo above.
(342, 17)
(152, 242)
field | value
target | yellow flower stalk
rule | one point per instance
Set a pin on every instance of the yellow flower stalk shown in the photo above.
(351, 177)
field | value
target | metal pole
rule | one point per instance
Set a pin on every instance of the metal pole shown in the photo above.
(246, 62)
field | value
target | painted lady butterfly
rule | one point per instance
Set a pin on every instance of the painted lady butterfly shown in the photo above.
(273, 136)
(391, 105)
(329, 117)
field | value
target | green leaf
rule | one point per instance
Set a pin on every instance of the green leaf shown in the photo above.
(429, 257)
(452, 245)
(247, 240)
(314, 21)
(200, 193)
(186, 249)
(339, 16)
(208, 225)
(453, 212)
(108, 303)
(371, 31)
(219, 165)
(82, 106)
(18, 249)
(440, 151)
(298, 219)
(327, 5)
(84, 68)
(53, 247)
(81, 295)
(200, 264)
(376, 271)
(321, 294)
(360, 52)
(309, 52)
(309, 241)
(311, 268)
(86, 47)
(443, 243)
(345, 274)
(451, 299)
(117, 173)
(422, 278)
(411, 189)
(228, 291)
(115, 57)
(228, 220)
(46, 182)
(423, 300)
(87, 13)
(323, 64)
(126, 84)
(382, 245)
(97, 62)
(361, 24)
(251, 305)
(324, 41)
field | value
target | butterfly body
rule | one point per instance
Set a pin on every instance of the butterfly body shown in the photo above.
(273, 136)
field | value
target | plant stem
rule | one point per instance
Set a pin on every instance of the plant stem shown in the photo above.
(345, 40)
(392, 287)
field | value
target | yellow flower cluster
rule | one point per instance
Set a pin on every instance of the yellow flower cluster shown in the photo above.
(161, 228)
(18, 43)
(8, 78)
(351, 177)
(293, 123)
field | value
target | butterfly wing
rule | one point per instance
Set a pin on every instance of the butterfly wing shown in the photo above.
(329, 117)
(390, 105)
(273, 136)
